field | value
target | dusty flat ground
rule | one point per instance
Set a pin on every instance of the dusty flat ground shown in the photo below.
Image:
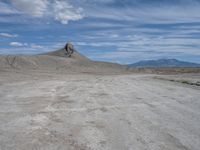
(97, 112)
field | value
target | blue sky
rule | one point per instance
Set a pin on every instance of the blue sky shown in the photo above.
(122, 31)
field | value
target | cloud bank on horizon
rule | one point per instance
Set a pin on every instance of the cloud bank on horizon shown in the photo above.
(123, 31)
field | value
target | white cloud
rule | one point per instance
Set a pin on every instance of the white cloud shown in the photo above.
(65, 12)
(32, 45)
(36, 8)
(60, 10)
(18, 44)
(35, 46)
(7, 35)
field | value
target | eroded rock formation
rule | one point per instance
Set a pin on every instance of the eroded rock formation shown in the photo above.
(69, 48)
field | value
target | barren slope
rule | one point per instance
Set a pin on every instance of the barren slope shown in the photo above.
(58, 61)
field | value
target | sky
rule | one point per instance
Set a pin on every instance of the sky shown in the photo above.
(121, 31)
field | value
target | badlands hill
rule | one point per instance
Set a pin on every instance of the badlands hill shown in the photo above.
(58, 61)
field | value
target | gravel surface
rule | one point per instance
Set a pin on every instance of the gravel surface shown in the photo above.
(41, 111)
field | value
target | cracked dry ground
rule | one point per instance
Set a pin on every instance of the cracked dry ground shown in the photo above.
(93, 112)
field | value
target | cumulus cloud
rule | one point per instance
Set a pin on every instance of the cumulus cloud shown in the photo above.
(60, 10)
(7, 35)
(65, 12)
(18, 44)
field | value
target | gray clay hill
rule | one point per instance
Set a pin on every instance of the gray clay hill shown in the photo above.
(66, 59)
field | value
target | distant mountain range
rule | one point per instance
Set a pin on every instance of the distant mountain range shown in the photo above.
(163, 63)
